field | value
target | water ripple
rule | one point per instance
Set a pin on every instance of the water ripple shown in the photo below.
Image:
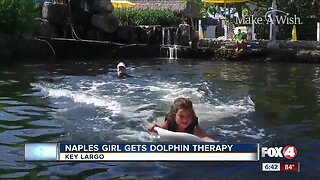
(237, 103)
(11, 117)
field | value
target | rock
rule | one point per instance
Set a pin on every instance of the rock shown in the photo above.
(56, 14)
(92, 34)
(126, 34)
(139, 33)
(23, 49)
(183, 34)
(154, 34)
(142, 36)
(157, 34)
(44, 28)
(309, 55)
(102, 6)
(273, 45)
(106, 22)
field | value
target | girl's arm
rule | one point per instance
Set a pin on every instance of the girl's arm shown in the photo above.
(199, 132)
(163, 125)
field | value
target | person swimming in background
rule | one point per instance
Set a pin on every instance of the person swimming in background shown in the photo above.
(121, 70)
(182, 118)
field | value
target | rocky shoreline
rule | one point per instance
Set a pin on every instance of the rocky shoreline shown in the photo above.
(89, 30)
(42, 49)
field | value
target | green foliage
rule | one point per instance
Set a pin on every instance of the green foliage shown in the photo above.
(17, 17)
(204, 8)
(214, 8)
(147, 17)
(301, 8)
(209, 8)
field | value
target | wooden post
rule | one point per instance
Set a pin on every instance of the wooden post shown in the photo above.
(226, 20)
(253, 36)
(318, 31)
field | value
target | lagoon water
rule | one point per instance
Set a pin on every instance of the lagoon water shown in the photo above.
(236, 102)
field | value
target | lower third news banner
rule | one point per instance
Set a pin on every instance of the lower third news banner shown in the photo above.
(142, 152)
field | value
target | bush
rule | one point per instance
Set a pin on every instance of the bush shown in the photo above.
(17, 17)
(147, 17)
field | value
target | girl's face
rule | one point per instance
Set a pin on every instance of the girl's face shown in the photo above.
(183, 118)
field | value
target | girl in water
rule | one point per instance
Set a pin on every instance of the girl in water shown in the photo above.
(182, 118)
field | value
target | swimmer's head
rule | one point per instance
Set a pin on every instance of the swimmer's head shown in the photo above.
(121, 69)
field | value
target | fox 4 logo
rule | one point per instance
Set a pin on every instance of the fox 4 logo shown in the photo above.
(288, 152)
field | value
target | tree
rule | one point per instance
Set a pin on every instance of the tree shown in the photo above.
(17, 17)
(301, 8)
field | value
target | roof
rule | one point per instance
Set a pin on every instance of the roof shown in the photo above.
(171, 5)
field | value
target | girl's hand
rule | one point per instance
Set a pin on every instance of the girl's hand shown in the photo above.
(208, 139)
(151, 127)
